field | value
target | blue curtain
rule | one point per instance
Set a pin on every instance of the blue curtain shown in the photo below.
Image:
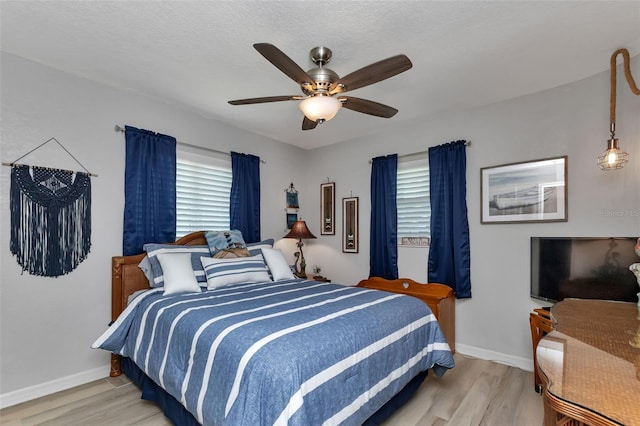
(383, 256)
(449, 254)
(149, 191)
(244, 206)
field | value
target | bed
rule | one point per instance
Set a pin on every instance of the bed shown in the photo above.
(288, 351)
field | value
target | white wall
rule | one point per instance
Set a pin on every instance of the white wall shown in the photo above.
(570, 120)
(47, 325)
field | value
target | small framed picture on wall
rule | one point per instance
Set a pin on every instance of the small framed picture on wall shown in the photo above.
(327, 208)
(291, 219)
(350, 228)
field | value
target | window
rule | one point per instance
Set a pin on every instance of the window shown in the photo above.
(414, 209)
(203, 187)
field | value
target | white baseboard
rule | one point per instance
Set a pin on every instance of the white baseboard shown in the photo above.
(36, 391)
(525, 364)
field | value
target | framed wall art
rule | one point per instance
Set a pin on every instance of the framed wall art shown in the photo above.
(292, 197)
(529, 191)
(350, 225)
(327, 208)
(291, 219)
(291, 205)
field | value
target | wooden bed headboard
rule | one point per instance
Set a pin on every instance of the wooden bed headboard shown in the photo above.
(127, 278)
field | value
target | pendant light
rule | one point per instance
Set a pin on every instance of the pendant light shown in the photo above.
(615, 158)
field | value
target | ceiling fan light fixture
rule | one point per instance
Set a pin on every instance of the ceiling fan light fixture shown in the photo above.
(320, 108)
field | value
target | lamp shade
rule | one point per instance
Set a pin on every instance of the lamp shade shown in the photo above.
(299, 230)
(320, 108)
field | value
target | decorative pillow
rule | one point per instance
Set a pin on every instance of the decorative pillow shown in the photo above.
(145, 265)
(178, 273)
(256, 248)
(223, 272)
(223, 240)
(261, 244)
(196, 252)
(278, 266)
(231, 253)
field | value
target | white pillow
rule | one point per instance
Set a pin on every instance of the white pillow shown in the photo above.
(178, 273)
(223, 272)
(278, 266)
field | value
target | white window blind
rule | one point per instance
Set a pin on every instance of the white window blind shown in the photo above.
(203, 187)
(414, 210)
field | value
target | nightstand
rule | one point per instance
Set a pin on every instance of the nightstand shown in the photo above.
(318, 278)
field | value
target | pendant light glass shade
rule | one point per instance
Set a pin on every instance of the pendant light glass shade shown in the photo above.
(320, 108)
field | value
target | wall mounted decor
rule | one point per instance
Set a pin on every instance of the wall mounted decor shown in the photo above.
(291, 219)
(350, 225)
(292, 197)
(292, 205)
(327, 208)
(50, 216)
(529, 191)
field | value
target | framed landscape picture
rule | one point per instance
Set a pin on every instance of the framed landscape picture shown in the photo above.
(529, 191)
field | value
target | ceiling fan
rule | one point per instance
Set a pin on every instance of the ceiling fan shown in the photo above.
(321, 85)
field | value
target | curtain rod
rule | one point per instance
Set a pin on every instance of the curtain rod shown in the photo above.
(119, 128)
(466, 143)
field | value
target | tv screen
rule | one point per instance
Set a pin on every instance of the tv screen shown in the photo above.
(584, 268)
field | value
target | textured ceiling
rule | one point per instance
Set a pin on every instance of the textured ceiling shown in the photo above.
(199, 54)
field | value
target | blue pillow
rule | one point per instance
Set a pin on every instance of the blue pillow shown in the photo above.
(196, 252)
(223, 240)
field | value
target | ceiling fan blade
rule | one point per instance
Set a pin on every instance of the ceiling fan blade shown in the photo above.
(265, 100)
(368, 107)
(371, 74)
(308, 124)
(285, 64)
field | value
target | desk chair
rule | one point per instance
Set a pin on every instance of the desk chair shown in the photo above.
(541, 324)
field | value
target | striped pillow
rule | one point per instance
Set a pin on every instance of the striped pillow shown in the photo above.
(153, 250)
(223, 272)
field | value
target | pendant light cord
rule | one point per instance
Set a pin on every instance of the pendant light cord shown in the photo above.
(627, 74)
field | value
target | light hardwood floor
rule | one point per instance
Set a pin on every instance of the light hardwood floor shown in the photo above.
(475, 392)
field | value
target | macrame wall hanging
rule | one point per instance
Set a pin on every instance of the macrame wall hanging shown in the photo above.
(50, 217)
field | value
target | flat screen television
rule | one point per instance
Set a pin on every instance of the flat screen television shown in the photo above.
(584, 268)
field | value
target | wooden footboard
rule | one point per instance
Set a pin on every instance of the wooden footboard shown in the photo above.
(439, 297)
(127, 278)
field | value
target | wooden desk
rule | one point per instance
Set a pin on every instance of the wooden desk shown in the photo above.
(589, 364)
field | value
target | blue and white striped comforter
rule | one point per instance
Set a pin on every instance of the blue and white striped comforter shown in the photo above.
(285, 352)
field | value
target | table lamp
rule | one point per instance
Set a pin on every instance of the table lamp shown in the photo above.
(299, 231)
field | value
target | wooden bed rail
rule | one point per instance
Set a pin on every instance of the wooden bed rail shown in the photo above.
(440, 298)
